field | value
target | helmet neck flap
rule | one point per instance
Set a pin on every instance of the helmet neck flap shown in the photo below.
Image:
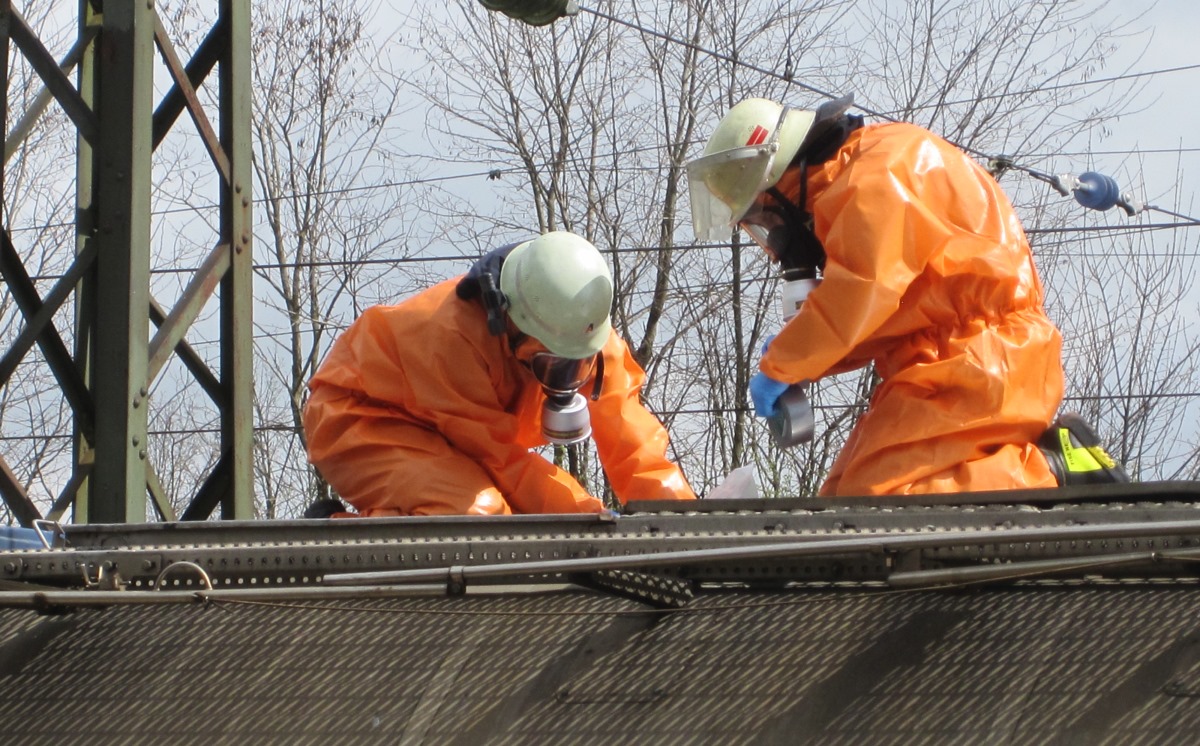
(482, 283)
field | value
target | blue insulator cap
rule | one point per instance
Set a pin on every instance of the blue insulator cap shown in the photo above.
(1097, 191)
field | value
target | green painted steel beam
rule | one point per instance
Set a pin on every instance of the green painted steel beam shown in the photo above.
(78, 493)
(21, 129)
(122, 176)
(237, 299)
(207, 56)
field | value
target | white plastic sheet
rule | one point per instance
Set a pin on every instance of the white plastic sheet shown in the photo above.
(739, 483)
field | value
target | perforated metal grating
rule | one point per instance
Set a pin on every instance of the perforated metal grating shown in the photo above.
(1115, 664)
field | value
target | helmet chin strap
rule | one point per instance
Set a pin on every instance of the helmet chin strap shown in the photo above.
(794, 243)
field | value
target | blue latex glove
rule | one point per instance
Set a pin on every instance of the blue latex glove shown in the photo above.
(765, 392)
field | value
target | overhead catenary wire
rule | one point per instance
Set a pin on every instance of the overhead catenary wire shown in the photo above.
(499, 172)
(1055, 87)
(1130, 151)
(666, 413)
(789, 79)
(1118, 230)
(1009, 163)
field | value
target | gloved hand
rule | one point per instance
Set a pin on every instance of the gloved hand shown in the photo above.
(765, 392)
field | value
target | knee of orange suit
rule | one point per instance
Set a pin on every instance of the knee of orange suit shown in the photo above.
(485, 504)
(374, 513)
(487, 501)
(386, 467)
(439, 487)
(557, 492)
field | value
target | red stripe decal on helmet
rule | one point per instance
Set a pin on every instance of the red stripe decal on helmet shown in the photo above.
(758, 136)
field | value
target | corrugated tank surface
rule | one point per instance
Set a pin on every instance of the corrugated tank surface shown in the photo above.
(1056, 663)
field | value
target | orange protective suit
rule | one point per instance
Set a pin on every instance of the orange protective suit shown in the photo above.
(928, 274)
(418, 410)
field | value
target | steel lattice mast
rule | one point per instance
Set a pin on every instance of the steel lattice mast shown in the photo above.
(106, 380)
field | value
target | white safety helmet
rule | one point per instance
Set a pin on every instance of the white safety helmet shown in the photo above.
(747, 154)
(560, 292)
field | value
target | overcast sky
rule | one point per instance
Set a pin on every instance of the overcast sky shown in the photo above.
(1172, 119)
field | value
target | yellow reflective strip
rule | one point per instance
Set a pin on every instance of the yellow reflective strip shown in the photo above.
(1077, 459)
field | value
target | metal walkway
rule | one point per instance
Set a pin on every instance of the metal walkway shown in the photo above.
(1111, 531)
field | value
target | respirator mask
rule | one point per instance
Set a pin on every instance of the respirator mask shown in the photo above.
(565, 418)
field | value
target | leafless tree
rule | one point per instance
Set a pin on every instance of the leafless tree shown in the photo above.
(330, 212)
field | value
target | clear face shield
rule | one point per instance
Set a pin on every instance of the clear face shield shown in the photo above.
(767, 225)
(723, 186)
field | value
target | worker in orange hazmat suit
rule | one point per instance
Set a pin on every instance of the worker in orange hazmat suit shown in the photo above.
(918, 264)
(431, 406)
